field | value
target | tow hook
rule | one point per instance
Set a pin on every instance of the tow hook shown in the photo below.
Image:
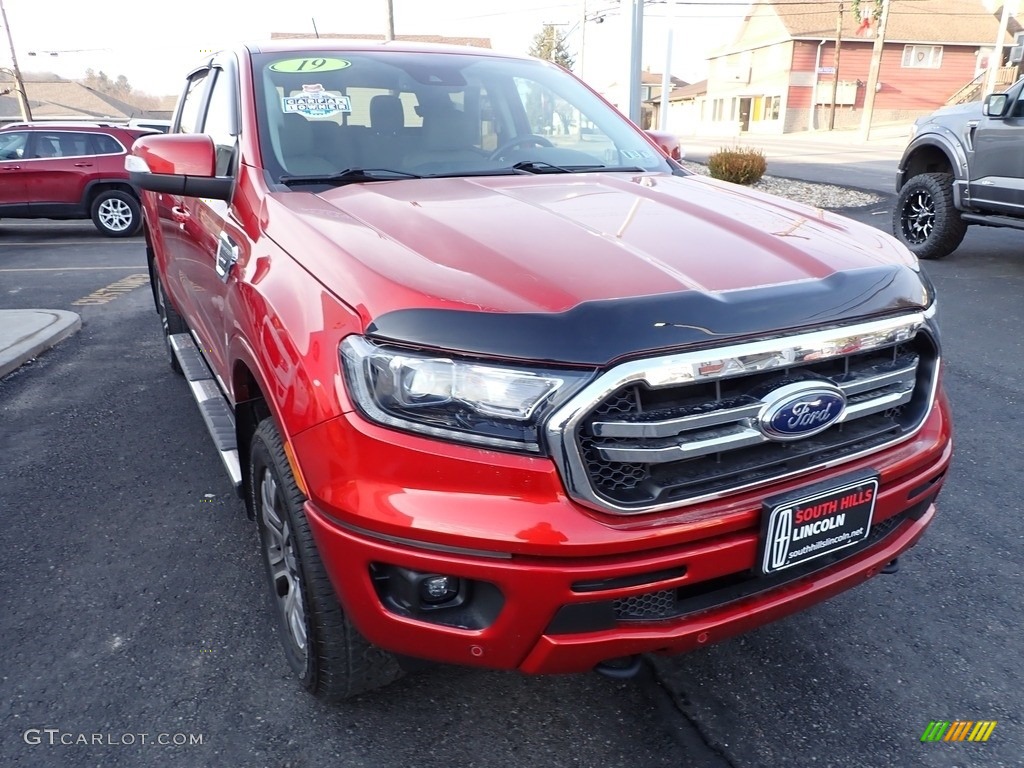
(892, 566)
(622, 668)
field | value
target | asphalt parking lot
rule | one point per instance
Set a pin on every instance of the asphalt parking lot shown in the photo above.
(133, 600)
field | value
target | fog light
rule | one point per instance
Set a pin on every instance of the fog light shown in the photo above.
(437, 589)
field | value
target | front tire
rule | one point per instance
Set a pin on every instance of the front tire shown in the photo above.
(925, 218)
(171, 321)
(328, 655)
(116, 213)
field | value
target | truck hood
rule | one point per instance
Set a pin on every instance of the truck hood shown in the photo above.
(493, 265)
(953, 117)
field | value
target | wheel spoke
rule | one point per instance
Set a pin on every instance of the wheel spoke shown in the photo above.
(918, 216)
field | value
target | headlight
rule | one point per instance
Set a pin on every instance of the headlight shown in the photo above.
(454, 399)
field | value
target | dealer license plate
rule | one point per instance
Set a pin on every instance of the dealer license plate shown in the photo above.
(816, 521)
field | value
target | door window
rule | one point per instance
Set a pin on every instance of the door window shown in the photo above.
(60, 144)
(220, 121)
(12, 145)
(193, 103)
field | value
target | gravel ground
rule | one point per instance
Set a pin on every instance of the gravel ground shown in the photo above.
(818, 195)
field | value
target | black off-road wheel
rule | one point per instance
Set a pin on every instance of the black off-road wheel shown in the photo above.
(116, 213)
(171, 321)
(327, 654)
(925, 218)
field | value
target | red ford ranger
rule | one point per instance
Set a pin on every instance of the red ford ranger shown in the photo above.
(504, 386)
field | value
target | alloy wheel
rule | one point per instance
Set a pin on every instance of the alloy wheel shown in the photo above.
(279, 549)
(115, 214)
(918, 216)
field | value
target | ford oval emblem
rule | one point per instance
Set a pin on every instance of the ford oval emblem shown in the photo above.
(800, 410)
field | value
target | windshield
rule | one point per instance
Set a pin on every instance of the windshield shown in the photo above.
(406, 115)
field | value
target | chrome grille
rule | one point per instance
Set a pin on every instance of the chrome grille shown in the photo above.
(670, 431)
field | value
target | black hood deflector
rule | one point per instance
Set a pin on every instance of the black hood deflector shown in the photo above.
(596, 333)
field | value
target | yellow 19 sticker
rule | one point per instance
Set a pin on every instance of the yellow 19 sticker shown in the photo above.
(309, 65)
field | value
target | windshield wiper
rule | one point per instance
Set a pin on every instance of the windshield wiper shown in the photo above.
(349, 176)
(539, 166)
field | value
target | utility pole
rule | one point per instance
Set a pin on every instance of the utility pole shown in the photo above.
(583, 40)
(666, 76)
(389, 33)
(19, 84)
(876, 65)
(636, 46)
(995, 62)
(835, 67)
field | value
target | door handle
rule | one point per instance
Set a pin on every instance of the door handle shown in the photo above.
(12, 168)
(83, 165)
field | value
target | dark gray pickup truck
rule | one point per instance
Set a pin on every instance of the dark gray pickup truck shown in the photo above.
(964, 165)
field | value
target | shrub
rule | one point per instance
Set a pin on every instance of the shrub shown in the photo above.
(740, 165)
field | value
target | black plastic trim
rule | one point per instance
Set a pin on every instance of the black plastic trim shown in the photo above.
(600, 332)
(218, 187)
(717, 593)
(633, 580)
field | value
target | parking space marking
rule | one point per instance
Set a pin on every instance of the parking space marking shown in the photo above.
(112, 291)
(70, 242)
(67, 269)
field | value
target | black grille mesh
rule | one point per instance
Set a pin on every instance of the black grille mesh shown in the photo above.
(639, 485)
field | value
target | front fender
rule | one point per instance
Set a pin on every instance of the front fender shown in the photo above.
(286, 328)
(941, 138)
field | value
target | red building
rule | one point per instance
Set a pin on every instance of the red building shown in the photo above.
(777, 77)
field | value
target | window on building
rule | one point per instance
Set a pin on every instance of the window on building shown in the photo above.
(922, 56)
(770, 108)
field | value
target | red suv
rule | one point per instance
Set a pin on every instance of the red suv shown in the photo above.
(69, 171)
(504, 392)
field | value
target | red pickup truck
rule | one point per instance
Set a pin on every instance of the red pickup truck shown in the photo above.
(502, 392)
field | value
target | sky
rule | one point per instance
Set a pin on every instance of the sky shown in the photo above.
(155, 42)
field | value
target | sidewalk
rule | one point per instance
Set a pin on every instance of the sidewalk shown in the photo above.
(841, 156)
(25, 333)
(887, 136)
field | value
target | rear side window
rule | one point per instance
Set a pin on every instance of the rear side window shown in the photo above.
(105, 145)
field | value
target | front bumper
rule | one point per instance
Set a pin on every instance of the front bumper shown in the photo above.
(380, 498)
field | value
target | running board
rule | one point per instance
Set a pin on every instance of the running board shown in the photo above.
(993, 220)
(219, 418)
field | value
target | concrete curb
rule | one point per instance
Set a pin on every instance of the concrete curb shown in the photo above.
(25, 333)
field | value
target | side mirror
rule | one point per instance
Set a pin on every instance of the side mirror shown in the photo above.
(995, 105)
(178, 164)
(668, 143)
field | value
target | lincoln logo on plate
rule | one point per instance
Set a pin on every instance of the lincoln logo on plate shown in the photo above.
(800, 410)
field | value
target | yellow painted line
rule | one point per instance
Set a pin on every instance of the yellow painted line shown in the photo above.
(68, 269)
(112, 291)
